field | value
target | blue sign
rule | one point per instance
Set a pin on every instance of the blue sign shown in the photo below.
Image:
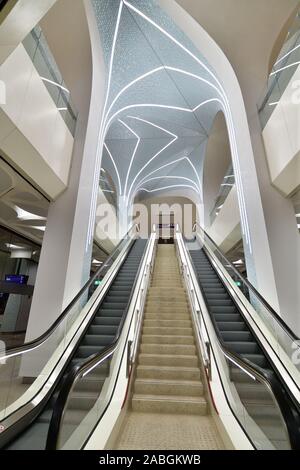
(16, 278)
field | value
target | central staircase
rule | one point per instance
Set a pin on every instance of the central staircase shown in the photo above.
(168, 374)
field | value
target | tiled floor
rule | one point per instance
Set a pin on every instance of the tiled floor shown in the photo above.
(168, 432)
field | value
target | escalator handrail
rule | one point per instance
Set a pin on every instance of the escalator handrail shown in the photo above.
(247, 283)
(78, 370)
(36, 342)
(264, 375)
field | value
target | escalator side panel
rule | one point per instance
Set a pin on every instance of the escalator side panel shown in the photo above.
(100, 333)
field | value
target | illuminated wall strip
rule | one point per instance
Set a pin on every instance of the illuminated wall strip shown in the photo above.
(115, 167)
(169, 187)
(100, 142)
(133, 154)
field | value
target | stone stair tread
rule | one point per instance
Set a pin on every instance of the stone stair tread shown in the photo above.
(168, 355)
(166, 368)
(192, 383)
(170, 398)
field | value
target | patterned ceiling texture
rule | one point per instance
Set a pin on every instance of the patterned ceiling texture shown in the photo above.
(161, 101)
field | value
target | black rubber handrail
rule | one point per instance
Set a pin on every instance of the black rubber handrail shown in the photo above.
(267, 376)
(250, 287)
(78, 369)
(36, 342)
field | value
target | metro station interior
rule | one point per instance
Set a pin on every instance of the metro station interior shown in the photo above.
(149, 224)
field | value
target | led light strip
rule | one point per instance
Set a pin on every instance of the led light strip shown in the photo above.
(55, 84)
(115, 167)
(169, 177)
(175, 137)
(169, 164)
(170, 187)
(133, 154)
(286, 55)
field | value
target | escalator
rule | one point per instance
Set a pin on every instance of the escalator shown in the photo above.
(101, 331)
(237, 336)
(156, 370)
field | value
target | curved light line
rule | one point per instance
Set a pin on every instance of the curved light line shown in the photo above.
(92, 215)
(139, 105)
(284, 68)
(170, 187)
(133, 154)
(164, 166)
(287, 54)
(115, 167)
(175, 137)
(141, 77)
(181, 46)
(153, 124)
(169, 177)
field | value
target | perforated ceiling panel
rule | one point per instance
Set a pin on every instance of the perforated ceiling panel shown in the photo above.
(162, 98)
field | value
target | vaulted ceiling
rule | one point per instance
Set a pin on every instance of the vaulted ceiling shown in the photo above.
(161, 100)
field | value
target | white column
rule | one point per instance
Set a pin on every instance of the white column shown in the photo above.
(66, 251)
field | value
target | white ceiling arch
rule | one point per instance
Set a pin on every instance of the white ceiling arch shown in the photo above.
(161, 100)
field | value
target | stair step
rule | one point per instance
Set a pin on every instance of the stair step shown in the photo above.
(168, 360)
(181, 349)
(175, 315)
(167, 323)
(166, 339)
(165, 372)
(153, 307)
(245, 347)
(169, 404)
(168, 387)
(167, 331)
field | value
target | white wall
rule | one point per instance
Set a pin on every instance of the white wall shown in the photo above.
(216, 164)
(282, 139)
(18, 21)
(33, 136)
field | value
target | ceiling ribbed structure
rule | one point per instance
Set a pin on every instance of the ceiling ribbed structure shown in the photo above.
(161, 100)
